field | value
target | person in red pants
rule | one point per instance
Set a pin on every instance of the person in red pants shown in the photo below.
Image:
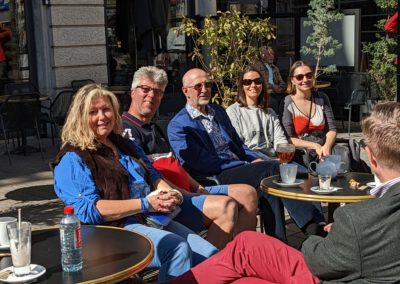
(362, 244)
(252, 257)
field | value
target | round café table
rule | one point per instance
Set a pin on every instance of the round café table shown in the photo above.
(110, 255)
(302, 192)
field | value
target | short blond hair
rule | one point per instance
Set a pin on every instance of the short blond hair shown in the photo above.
(381, 130)
(76, 130)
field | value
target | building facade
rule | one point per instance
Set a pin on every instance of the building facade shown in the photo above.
(57, 41)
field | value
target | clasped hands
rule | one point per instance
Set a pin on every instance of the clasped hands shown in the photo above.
(164, 200)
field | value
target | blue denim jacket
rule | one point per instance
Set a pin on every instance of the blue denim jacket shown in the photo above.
(75, 186)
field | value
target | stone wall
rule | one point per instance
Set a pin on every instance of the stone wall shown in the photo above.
(79, 41)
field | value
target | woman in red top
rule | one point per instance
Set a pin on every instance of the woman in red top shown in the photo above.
(307, 112)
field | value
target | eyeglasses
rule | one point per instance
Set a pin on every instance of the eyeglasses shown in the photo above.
(199, 86)
(147, 89)
(300, 77)
(248, 82)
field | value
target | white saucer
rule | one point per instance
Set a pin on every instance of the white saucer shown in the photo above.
(316, 189)
(371, 184)
(4, 247)
(342, 172)
(296, 182)
(36, 271)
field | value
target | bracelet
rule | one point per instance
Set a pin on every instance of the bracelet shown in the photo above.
(144, 205)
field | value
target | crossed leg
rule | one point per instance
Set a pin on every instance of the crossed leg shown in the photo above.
(252, 256)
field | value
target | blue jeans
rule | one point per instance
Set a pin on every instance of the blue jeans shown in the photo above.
(177, 248)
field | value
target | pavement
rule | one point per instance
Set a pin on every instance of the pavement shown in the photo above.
(28, 184)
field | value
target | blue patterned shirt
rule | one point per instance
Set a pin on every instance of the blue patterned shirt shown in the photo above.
(214, 132)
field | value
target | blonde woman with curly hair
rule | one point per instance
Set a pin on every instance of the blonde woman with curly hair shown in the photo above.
(108, 179)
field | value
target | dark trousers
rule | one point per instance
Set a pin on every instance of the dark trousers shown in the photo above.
(302, 212)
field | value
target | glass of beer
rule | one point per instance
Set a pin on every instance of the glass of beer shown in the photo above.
(285, 152)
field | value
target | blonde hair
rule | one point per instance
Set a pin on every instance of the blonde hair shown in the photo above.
(77, 131)
(291, 89)
(381, 130)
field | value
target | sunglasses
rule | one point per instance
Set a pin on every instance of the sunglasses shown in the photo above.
(199, 86)
(147, 89)
(248, 82)
(300, 77)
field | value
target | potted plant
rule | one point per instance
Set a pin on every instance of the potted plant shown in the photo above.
(230, 40)
(382, 53)
(320, 44)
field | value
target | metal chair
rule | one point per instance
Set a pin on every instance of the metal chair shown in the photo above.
(358, 98)
(21, 113)
(57, 112)
(77, 84)
(356, 89)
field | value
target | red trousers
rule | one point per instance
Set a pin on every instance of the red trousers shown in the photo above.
(252, 258)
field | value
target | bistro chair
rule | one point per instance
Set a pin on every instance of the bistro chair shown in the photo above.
(77, 84)
(57, 112)
(20, 114)
(358, 99)
(356, 89)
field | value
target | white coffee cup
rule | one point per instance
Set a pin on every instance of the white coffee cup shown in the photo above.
(4, 240)
(288, 172)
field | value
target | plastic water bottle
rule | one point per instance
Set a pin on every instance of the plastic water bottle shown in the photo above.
(71, 241)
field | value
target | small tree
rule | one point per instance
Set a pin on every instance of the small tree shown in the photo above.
(382, 69)
(231, 40)
(319, 43)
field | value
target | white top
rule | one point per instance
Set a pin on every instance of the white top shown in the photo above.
(259, 129)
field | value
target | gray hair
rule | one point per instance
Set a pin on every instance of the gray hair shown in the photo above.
(157, 75)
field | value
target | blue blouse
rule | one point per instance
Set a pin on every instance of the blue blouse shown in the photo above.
(75, 186)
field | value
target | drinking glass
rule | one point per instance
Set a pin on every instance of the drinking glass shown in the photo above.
(324, 181)
(20, 246)
(288, 172)
(285, 152)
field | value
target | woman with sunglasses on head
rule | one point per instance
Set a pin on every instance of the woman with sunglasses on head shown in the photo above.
(257, 125)
(307, 115)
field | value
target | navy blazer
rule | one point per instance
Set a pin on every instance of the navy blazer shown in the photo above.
(194, 148)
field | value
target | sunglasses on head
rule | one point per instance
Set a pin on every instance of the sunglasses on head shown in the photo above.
(300, 77)
(199, 86)
(248, 82)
